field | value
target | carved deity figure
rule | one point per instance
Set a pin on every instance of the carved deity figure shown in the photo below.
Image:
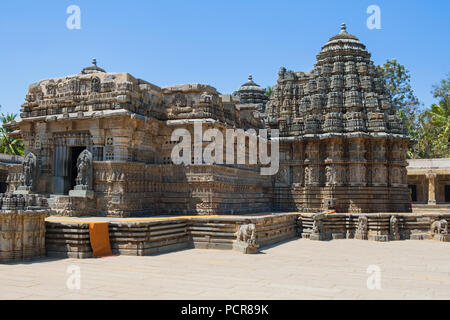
(396, 176)
(439, 227)
(28, 170)
(95, 85)
(84, 166)
(330, 174)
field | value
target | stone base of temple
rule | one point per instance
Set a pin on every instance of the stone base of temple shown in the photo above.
(346, 199)
(22, 234)
(148, 236)
(125, 189)
(81, 194)
(159, 235)
(245, 248)
(23, 190)
(440, 207)
(374, 227)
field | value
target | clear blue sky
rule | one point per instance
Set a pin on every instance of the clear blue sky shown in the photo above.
(213, 42)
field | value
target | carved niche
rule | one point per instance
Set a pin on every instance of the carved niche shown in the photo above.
(95, 85)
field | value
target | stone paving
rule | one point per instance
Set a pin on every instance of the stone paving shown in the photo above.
(299, 269)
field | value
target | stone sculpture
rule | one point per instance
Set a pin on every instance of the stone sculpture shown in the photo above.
(247, 234)
(246, 238)
(84, 166)
(84, 177)
(394, 228)
(439, 227)
(362, 228)
(29, 174)
(317, 227)
(29, 170)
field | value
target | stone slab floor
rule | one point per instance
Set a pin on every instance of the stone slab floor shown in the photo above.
(298, 269)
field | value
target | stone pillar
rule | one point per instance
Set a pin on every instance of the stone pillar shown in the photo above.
(98, 143)
(122, 143)
(431, 188)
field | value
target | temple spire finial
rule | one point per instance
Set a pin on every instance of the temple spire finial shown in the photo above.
(343, 28)
(93, 68)
(250, 77)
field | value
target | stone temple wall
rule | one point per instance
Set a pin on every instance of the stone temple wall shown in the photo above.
(138, 189)
(22, 227)
(346, 175)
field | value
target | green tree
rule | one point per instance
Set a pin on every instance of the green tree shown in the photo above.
(269, 90)
(439, 118)
(398, 85)
(8, 144)
(433, 125)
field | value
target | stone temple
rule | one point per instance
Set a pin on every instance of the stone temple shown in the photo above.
(99, 143)
(344, 147)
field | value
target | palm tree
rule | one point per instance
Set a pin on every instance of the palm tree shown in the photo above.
(8, 144)
(269, 90)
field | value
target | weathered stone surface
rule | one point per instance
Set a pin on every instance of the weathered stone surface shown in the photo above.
(22, 233)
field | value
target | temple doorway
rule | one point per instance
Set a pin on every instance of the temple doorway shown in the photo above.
(413, 190)
(447, 193)
(74, 152)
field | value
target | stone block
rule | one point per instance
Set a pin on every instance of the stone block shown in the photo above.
(81, 194)
(442, 237)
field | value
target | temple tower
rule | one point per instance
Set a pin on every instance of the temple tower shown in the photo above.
(344, 145)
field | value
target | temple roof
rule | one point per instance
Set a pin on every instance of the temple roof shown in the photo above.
(343, 43)
(343, 94)
(250, 92)
(93, 68)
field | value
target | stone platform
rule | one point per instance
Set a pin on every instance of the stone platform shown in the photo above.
(147, 236)
(376, 227)
(69, 237)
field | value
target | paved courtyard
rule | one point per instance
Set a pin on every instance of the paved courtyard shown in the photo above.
(299, 269)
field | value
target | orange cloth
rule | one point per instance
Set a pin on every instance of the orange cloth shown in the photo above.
(99, 235)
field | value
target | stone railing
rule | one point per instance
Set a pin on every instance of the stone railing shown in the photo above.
(10, 159)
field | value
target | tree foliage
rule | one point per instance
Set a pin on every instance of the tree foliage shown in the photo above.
(439, 118)
(429, 127)
(8, 144)
(398, 85)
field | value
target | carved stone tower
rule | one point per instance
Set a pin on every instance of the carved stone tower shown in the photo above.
(344, 145)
